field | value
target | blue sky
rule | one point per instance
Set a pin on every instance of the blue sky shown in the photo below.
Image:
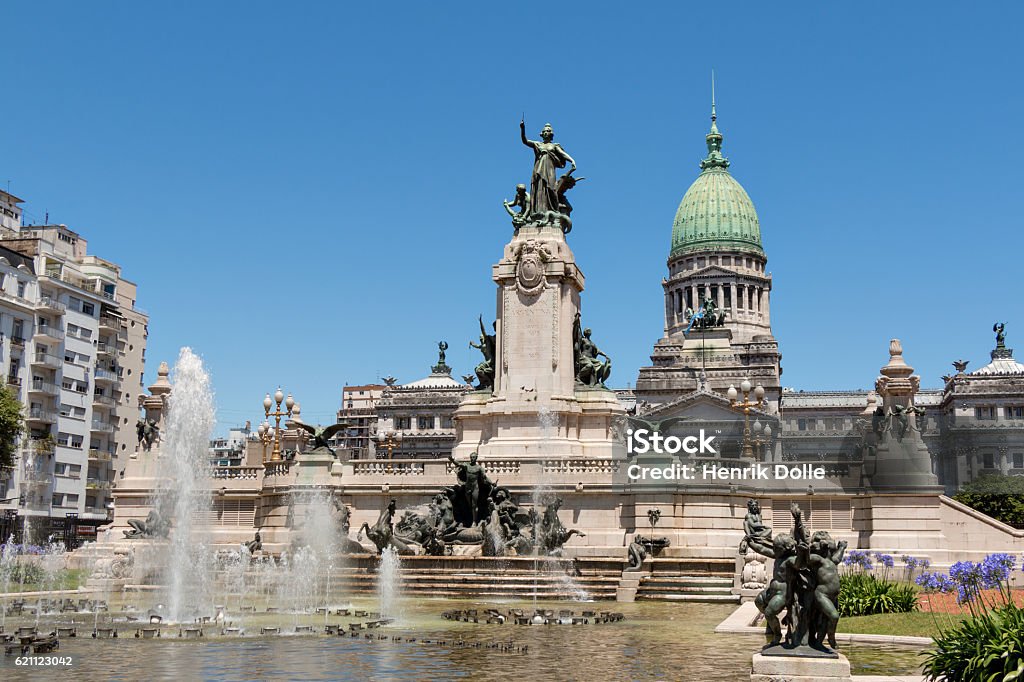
(310, 195)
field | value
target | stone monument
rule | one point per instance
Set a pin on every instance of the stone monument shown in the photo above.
(901, 459)
(530, 401)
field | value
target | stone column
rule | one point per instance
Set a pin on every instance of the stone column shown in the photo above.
(721, 296)
(695, 292)
(732, 300)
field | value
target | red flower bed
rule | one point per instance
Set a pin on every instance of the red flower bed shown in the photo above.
(937, 602)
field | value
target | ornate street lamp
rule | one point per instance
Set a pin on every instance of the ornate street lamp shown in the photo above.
(275, 432)
(762, 438)
(746, 405)
(389, 440)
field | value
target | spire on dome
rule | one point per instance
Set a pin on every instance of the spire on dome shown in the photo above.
(714, 138)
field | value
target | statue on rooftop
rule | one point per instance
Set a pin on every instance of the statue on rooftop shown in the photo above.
(1000, 329)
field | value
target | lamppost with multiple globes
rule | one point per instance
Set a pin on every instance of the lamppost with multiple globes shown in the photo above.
(746, 405)
(388, 440)
(289, 404)
(266, 435)
(762, 438)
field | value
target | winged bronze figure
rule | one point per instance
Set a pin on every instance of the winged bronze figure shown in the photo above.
(321, 436)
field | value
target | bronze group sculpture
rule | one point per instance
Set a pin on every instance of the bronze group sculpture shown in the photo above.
(804, 584)
(148, 432)
(707, 316)
(546, 199)
(500, 526)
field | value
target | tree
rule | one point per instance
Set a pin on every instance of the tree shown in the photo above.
(12, 425)
(1001, 497)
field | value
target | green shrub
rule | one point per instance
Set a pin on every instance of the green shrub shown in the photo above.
(1001, 497)
(26, 572)
(862, 594)
(988, 646)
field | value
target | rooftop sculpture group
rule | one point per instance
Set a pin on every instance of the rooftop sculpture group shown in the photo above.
(804, 584)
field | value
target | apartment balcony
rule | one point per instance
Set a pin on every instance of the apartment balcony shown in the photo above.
(110, 324)
(97, 455)
(17, 342)
(45, 331)
(13, 381)
(105, 376)
(102, 426)
(40, 416)
(44, 387)
(38, 447)
(104, 400)
(97, 484)
(51, 305)
(46, 360)
(106, 350)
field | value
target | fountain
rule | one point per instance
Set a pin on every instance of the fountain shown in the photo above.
(185, 470)
(389, 582)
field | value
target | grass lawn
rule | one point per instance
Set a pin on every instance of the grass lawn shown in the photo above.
(66, 580)
(915, 624)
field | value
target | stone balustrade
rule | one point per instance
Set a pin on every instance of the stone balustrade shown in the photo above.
(579, 466)
(242, 472)
(392, 466)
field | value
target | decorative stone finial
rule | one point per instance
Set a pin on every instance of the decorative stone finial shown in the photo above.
(897, 381)
(162, 385)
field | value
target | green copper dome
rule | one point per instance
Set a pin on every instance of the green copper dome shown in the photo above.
(715, 214)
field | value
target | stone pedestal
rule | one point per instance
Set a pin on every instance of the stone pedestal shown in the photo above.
(799, 669)
(901, 460)
(536, 408)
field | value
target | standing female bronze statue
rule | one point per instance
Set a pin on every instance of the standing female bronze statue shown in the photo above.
(548, 156)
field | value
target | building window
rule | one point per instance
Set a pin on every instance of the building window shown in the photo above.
(447, 422)
(1018, 460)
(21, 290)
(402, 422)
(1014, 412)
(988, 460)
(425, 422)
(984, 413)
(802, 425)
(88, 309)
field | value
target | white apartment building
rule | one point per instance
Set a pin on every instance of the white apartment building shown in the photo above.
(74, 351)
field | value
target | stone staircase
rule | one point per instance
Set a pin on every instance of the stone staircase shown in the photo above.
(702, 580)
(489, 578)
